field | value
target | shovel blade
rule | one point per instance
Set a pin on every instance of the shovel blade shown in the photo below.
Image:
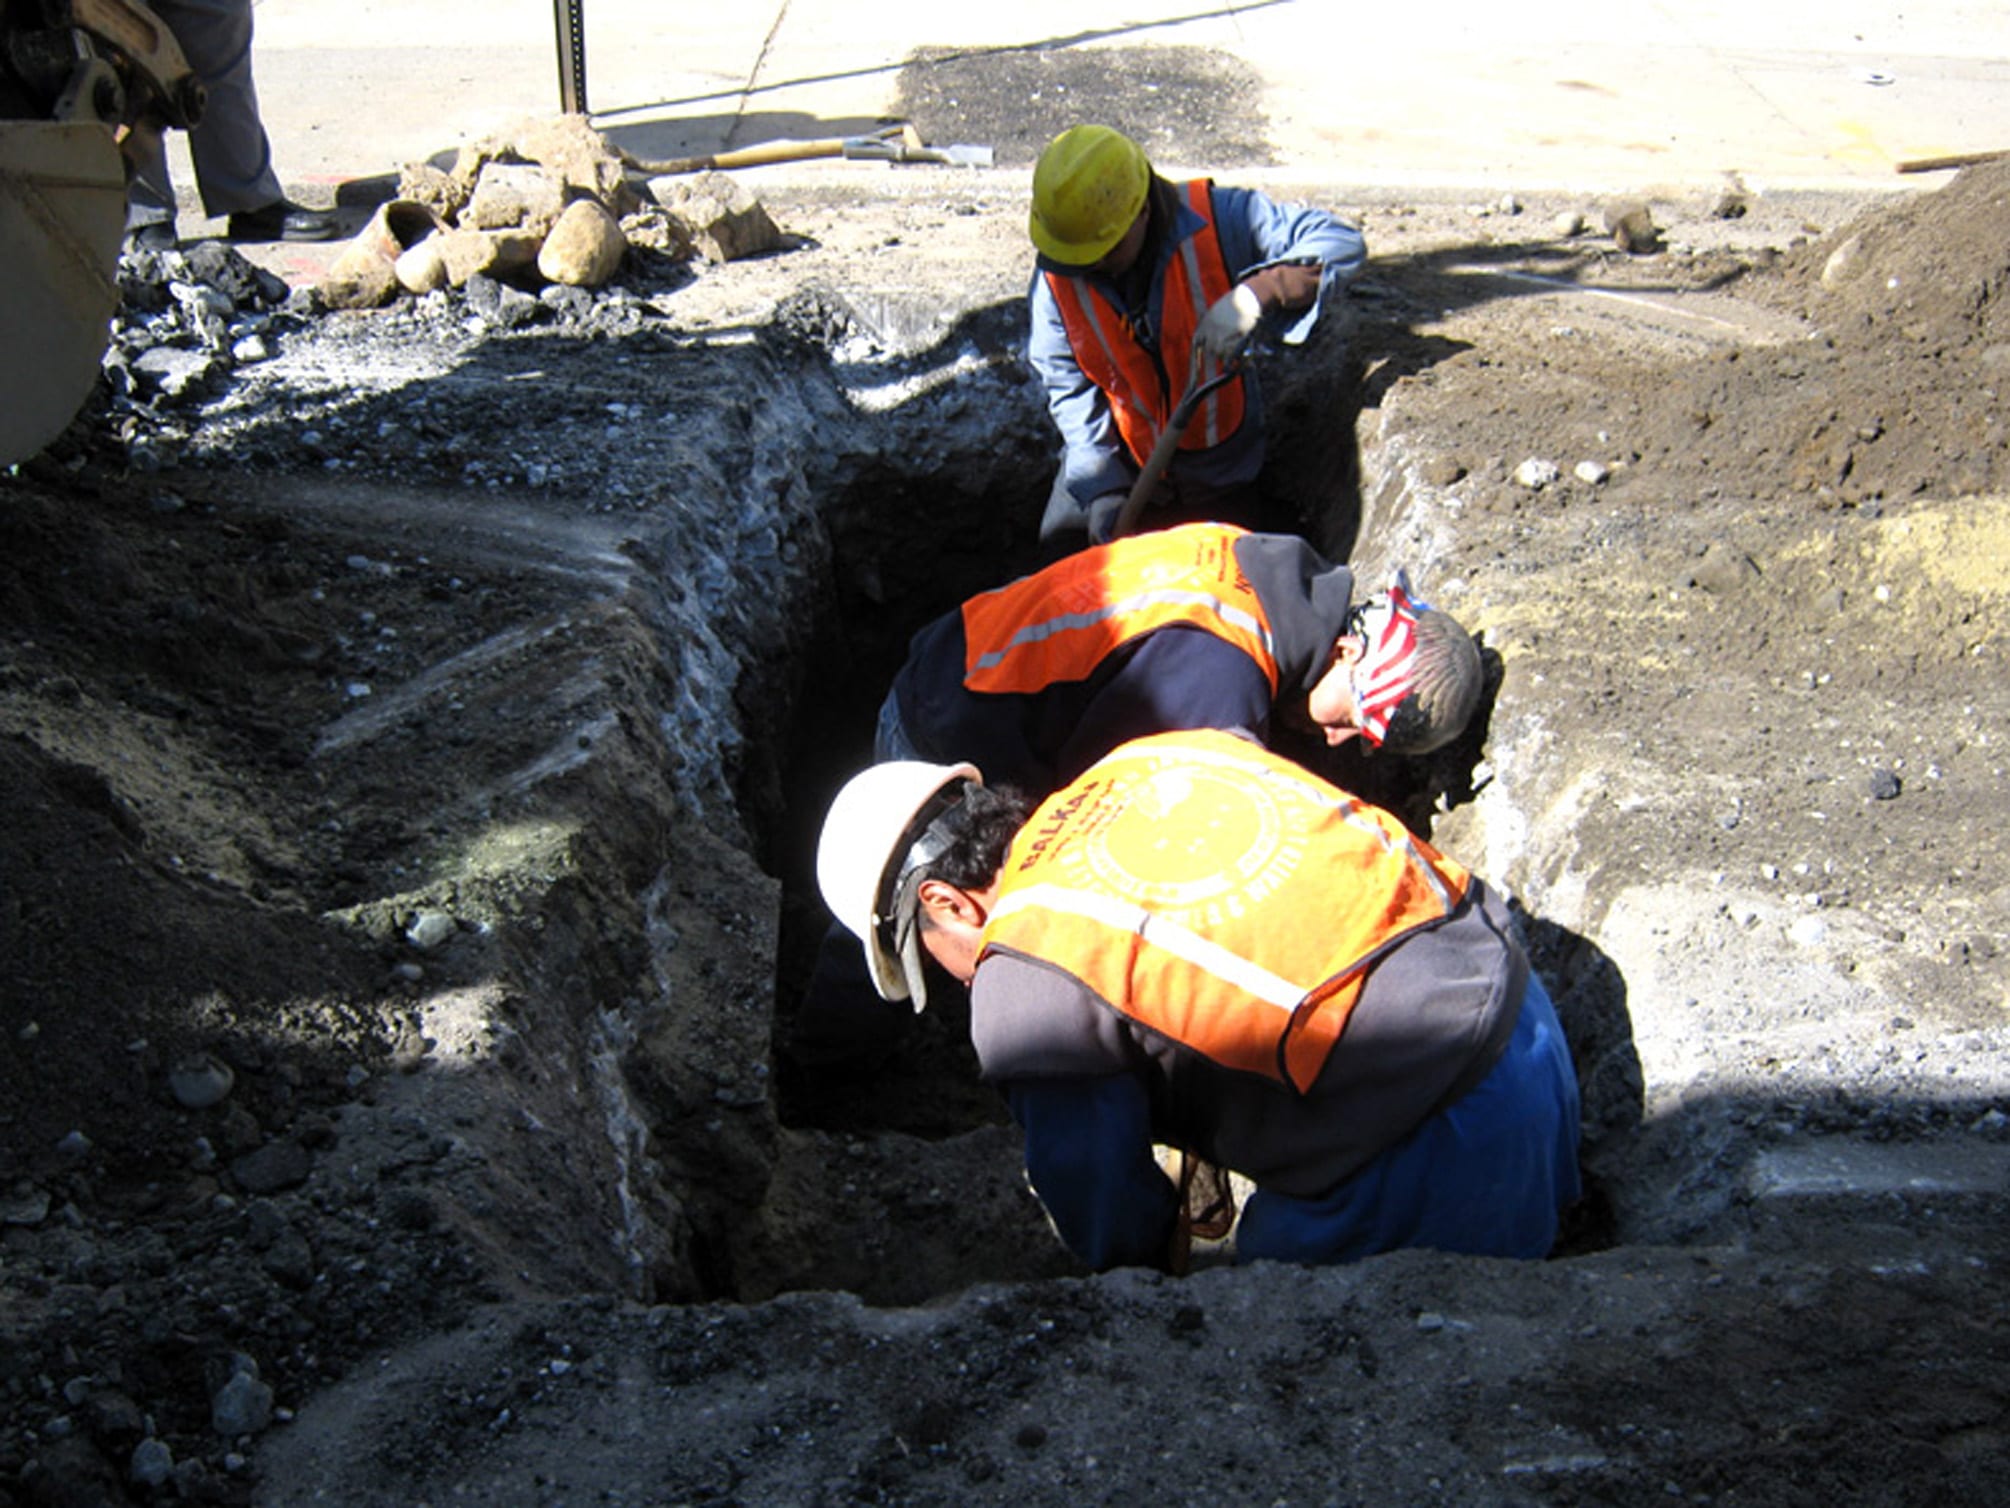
(881, 149)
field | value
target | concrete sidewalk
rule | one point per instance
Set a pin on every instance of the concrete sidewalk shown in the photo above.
(1589, 97)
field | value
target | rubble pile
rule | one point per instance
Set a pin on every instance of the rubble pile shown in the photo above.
(547, 225)
(550, 203)
(188, 318)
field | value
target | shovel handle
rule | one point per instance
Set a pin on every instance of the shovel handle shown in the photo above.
(1955, 160)
(746, 157)
(1168, 442)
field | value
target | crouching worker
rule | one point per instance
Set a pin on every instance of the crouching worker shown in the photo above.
(1199, 626)
(1199, 944)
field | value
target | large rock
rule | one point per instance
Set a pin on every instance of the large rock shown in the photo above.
(490, 253)
(439, 190)
(584, 248)
(581, 160)
(511, 195)
(358, 283)
(726, 222)
(1630, 223)
(584, 160)
(423, 268)
(655, 229)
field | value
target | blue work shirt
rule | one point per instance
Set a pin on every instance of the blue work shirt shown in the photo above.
(1255, 232)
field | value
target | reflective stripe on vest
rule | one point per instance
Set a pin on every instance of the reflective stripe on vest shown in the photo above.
(1061, 623)
(1220, 895)
(1111, 356)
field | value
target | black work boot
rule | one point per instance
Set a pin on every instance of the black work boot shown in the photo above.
(282, 220)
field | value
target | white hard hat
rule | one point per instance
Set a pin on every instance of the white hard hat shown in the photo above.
(859, 858)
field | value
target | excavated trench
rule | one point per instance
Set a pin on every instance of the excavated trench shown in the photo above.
(738, 603)
(691, 613)
(894, 1173)
(898, 1178)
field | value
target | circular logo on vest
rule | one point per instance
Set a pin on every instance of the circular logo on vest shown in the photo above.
(1187, 837)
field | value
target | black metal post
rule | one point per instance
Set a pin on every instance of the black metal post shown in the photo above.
(571, 18)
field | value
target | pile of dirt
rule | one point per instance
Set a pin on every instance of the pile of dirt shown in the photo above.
(1898, 397)
(393, 879)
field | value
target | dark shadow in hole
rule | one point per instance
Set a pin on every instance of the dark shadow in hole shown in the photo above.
(1590, 997)
(1311, 479)
(913, 533)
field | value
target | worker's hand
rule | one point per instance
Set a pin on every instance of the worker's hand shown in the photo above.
(1229, 324)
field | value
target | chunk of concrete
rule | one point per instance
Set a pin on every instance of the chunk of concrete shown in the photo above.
(583, 160)
(363, 274)
(514, 196)
(577, 157)
(490, 253)
(653, 228)
(439, 190)
(1631, 225)
(423, 268)
(724, 219)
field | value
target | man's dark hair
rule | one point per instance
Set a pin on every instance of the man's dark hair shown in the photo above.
(979, 828)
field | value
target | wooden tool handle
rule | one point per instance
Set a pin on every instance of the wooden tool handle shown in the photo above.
(1957, 160)
(746, 157)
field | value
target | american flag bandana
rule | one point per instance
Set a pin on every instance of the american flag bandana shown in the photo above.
(1387, 671)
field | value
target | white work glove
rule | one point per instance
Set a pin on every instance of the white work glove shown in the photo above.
(1229, 324)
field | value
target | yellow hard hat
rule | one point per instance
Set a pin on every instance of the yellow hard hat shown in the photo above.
(1088, 187)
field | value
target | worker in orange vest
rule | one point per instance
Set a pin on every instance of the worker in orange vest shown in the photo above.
(1201, 625)
(1197, 626)
(1144, 287)
(1200, 945)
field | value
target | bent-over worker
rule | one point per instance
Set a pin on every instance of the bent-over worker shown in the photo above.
(1200, 944)
(1198, 626)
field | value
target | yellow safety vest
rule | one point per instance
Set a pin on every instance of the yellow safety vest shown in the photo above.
(1111, 356)
(1059, 624)
(1220, 895)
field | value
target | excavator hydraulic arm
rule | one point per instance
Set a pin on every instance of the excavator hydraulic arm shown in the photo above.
(84, 85)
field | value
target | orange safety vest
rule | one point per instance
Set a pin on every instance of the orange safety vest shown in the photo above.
(1110, 354)
(1221, 895)
(1059, 624)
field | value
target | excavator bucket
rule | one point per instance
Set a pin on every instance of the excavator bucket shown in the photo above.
(62, 217)
(84, 85)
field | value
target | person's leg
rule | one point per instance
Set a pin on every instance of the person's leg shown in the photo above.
(889, 738)
(232, 155)
(1487, 1175)
(150, 194)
